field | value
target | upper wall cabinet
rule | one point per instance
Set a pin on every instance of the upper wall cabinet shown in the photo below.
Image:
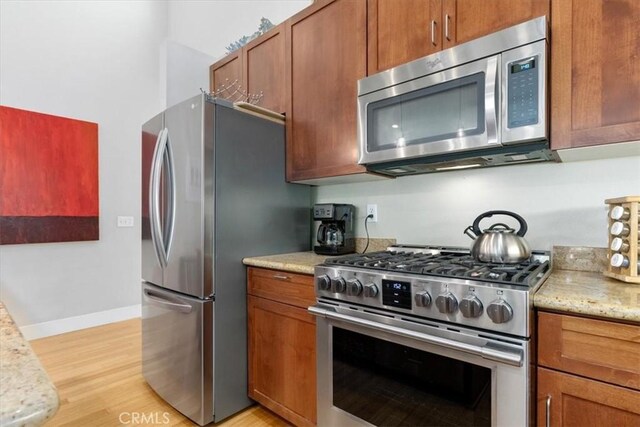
(258, 67)
(326, 55)
(595, 72)
(403, 30)
(465, 20)
(226, 71)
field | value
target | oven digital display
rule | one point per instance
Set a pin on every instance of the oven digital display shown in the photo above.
(396, 294)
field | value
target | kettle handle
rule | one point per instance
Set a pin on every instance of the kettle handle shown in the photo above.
(320, 236)
(523, 224)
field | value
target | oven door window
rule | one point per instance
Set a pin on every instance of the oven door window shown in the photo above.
(388, 384)
(454, 109)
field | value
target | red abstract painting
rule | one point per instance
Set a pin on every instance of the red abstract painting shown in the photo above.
(48, 178)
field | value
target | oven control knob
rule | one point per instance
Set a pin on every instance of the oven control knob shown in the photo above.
(323, 282)
(370, 290)
(499, 311)
(423, 299)
(446, 303)
(354, 287)
(471, 306)
(339, 285)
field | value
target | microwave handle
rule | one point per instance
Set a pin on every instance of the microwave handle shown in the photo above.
(491, 100)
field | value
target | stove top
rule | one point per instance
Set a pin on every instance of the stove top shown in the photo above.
(448, 262)
(438, 283)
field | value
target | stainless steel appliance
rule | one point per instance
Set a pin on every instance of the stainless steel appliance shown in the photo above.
(213, 192)
(425, 335)
(335, 234)
(481, 103)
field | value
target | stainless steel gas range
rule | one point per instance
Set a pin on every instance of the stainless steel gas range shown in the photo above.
(425, 335)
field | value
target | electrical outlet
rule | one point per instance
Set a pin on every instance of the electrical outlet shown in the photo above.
(125, 221)
(372, 210)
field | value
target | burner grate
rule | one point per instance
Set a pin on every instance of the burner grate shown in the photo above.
(454, 264)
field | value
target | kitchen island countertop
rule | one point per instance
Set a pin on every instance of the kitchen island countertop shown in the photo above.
(27, 395)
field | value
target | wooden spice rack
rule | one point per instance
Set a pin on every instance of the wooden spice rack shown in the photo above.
(630, 273)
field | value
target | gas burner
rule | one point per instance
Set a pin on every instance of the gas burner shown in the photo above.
(448, 262)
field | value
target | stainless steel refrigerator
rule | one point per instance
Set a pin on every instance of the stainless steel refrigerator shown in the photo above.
(213, 192)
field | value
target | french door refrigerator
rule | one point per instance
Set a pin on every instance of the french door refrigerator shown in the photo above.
(213, 192)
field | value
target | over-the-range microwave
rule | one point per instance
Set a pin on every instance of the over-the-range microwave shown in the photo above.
(481, 103)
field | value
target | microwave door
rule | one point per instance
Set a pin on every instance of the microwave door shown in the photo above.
(446, 112)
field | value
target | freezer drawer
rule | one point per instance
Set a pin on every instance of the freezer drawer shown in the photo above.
(177, 350)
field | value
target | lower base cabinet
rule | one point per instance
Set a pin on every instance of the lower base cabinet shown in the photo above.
(282, 344)
(569, 400)
(588, 372)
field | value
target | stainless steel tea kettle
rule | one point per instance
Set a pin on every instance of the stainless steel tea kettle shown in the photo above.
(499, 243)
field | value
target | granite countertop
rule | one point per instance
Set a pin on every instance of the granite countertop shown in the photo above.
(297, 262)
(591, 294)
(578, 286)
(27, 395)
(303, 262)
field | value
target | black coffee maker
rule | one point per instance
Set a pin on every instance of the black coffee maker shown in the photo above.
(335, 232)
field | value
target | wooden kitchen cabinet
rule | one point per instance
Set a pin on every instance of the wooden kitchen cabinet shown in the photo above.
(577, 401)
(588, 370)
(258, 67)
(400, 31)
(226, 71)
(470, 19)
(282, 344)
(326, 47)
(263, 68)
(595, 72)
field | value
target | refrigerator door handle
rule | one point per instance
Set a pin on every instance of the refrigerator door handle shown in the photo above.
(154, 198)
(165, 302)
(171, 179)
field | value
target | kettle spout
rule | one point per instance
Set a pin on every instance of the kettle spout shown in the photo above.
(469, 232)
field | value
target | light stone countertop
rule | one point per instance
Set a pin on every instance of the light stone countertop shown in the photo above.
(27, 395)
(578, 286)
(303, 262)
(589, 293)
(297, 262)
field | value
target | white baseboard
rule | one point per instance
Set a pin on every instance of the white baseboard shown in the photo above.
(75, 323)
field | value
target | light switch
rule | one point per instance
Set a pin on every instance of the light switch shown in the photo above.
(125, 221)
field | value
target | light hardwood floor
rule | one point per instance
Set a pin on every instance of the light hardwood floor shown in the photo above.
(98, 375)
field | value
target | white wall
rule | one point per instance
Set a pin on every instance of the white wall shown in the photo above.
(210, 26)
(95, 61)
(187, 71)
(562, 203)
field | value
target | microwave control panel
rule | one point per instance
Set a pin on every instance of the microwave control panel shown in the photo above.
(522, 92)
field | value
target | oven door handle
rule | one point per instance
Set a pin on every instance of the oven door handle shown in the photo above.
(508, 356)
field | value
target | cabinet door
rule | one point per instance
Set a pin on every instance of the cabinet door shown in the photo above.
(226, 71)
(464, 20)
(282, 359)
(263, 69)
(595, 72)
(577, 401)
(326, 55)
(400, 31)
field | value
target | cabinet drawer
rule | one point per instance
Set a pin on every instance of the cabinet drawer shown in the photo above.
(598, 349)
(281, 286)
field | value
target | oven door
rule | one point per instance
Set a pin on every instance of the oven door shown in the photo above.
(379, 369)
(445, 112)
